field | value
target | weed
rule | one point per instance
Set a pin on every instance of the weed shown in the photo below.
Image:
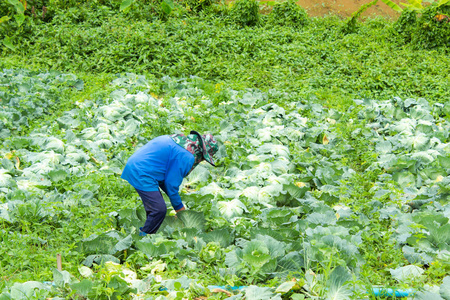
(288, 13)
(245, 12)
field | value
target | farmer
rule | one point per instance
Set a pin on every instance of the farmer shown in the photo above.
(163, 163)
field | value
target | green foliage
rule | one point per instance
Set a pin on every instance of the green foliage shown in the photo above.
(427, 30)
(211, 253)
(245, 12)
(425, 26)
(393, 5)
(431, 31)
(125, 4)
(19, 16)
(336, 195)
(167, 7)
(333, 168)
(197, 5)
(288, 13)
(350, 25)
(406, 24)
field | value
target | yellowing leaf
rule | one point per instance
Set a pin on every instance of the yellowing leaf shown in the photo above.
(325, 140)
(8, 44)
(4, 19)
(393, 5)
(300, 184)
(338, 216)
(439, 178)
(17, 162)
(331, 121)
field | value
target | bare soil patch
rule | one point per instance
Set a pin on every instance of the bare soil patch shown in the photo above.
(344, 8)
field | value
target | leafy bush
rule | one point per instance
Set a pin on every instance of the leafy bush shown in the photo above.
(406, 24)
(245, 12)
(65, 4)
(433, 28)
(288, 13)
(197, 5)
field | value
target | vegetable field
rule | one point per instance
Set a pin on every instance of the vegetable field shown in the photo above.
(332, 177)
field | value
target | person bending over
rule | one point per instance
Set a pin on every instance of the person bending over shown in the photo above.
(162, 164)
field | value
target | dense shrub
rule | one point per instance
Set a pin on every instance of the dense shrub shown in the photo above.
(197, 5)
(433, 28)
(406, 24)
(288, 13)
(245, 12)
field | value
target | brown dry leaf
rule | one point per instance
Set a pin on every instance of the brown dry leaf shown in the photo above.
(221, 291)
(17, 162)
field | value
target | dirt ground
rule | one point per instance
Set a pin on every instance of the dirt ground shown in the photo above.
(345, 8)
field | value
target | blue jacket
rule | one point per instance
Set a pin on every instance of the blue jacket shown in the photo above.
(161, 163)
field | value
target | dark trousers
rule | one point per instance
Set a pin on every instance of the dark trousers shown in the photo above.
(156, 209)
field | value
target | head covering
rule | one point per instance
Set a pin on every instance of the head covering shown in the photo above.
(209, 146)
(201, 146)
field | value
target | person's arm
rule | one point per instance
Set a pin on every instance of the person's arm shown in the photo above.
(174, 176)
(163, 187)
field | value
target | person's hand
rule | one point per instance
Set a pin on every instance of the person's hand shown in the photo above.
(183, 208)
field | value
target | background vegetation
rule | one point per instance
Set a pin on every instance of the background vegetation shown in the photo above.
(231, 47)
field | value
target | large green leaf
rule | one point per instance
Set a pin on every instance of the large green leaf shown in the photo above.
(20, 18)
(8, 43)
(123, 244)
(403, 274)
(60, 278)
(393, 5)
(192, 219)
(404, 179)
(256, 254)
(99, 259)
(198, 175)
(167, 6)
(57, 175)
(18, 6)
(106, 243)
(83, 288)
(231, 209)
(260, 293)
(415, 4)
(153, 248)
(125, 4)
(425, 295)
(291, 262)
(444, 161)
(296, 191)
(221, 236)
(336, 283)
(440, 236)
(28, 290)
(444, 290)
